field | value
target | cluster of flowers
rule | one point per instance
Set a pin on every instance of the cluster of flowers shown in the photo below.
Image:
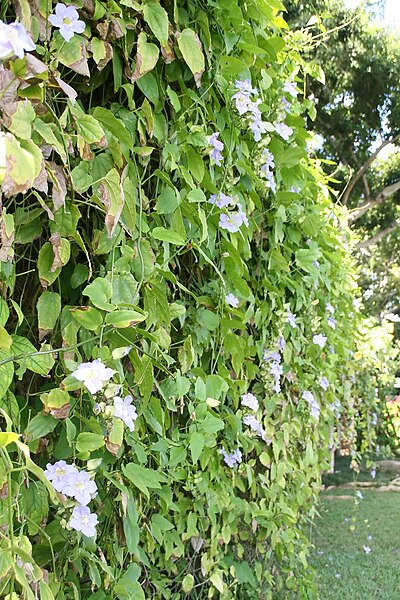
(93, 375)
(68, 480)
(330, 320)
(15, 41)
(314, 406)
(251, 402)
(231, 221)
(245, 104)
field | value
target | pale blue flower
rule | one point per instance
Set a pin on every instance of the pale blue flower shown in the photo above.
(250, 401)
(359, 495)
(324, 383)
(283, 130)
(258, 127)
(308, 396)
(330, 308)
(316, 264)
(319, 339)
(268, 158)
(281, 343)
(229, 222)
(271, 180)
(232, 300)
(291, 319)
(290, 88)
(221, 200)
(66, 18)
(367, 549)
(242, 102)
(331, 322)
(217, 147)
(245, 86)
(93, 375)
(232, 221)
(124, 410)
(255, 425)
(286, 105)
(14, 40)
(232, 459)
(81, 487)
(294, 189)
(58, 474)
(83, 520)
(241, 215)
(373, 473)
(272, 356)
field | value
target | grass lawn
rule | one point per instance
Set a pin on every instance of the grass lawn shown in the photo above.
(345, 571)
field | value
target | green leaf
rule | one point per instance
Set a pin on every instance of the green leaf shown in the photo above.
(22, 119)
(211, 424)
(40, 426)
(48, 309)
(5, 339)
(87, 316)
(7, 438)
(89, 128)
(167, 235)
(128, 587)
(114, 125)
(157, 19)
(88, 442)
(99, 292)
(4, 312)
(47, 133)
(190, 46)
(30, 358)
(142, 477)
(125, 318)
(167, 201)
(196, 445)
(35, 504)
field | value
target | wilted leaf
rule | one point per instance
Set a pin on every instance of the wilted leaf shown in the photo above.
(59, 190)
(61, 251)
(146, 57)
(111, 193)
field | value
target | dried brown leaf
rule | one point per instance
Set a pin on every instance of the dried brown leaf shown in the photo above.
(57, 178)
(55, 241)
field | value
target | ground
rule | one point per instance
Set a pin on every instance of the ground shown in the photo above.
(346, 525)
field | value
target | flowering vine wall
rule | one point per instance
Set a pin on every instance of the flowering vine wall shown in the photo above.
(176, 302)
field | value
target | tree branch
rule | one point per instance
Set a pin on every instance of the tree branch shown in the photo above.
(364, 168)
(377, 238)
(383, 195)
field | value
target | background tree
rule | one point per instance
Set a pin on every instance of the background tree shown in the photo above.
(357, 117)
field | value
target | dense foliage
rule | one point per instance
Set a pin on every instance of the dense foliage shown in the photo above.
(176, 312)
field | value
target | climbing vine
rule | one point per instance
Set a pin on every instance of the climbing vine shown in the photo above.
(176, 312)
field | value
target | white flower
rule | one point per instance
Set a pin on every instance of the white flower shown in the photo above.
(324, 383)
(283, 130)
(251, 401)
(367, 549)
(124, 410)
(308, 396)
(66, 18)
(330, 308)
(83, 520)
(373, 473)
(291, 319)
(232, 300)
(359, 494)
(319, 339)
(58, 474)
(290, 88)
(14, 40)
(93, 375)
(81, 487)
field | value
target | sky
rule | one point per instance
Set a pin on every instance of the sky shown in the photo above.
(392, 11)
